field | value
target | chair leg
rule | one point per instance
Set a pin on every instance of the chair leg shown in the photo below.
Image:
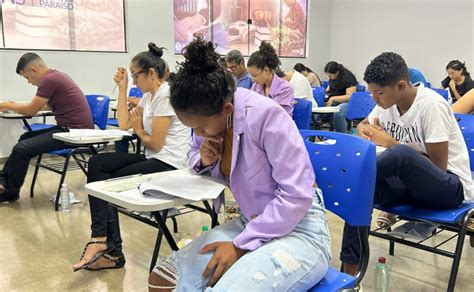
(175, 224)
(458, 252)
(61, 181)
(35, 175)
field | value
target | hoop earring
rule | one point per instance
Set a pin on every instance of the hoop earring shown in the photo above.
(229, 121)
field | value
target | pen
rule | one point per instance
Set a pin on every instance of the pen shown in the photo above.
(124, 177)
(113, 92)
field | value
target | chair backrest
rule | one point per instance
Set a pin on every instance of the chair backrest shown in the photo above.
(302, 113)
(135, 92)
(360, 87)
(466, 124)
(345, 170)
(428, 84)
(324, 84)
(99, 105)
(360, 105)
(443, 92)
(319, 93)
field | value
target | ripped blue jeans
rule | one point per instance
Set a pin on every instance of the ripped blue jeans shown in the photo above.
(294, 262)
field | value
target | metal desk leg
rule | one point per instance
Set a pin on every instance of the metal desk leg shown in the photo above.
(161, 221)
(139, 145)
(28, 127)
(212, 213)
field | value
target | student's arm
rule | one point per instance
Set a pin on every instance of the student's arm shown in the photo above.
(342, 98)
(452, 86)
(438, 154)
(123, 115)
(465, 105)
(285, 97)
(159, 130)
(27, 109)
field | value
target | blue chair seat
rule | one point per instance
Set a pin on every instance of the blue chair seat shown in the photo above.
(334, 281)
(112, 122)
(441, 216)
(39, 126)
(62, 152)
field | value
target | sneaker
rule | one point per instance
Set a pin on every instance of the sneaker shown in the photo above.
(9, 197)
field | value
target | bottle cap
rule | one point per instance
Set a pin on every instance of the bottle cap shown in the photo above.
(382, 260)
(205, 228)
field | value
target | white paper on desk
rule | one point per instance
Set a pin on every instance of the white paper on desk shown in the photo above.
(93, 133)
(184, 184)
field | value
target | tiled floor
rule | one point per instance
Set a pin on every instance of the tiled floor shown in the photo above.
(38, 247)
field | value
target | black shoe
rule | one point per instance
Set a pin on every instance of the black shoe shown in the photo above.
(9, 196)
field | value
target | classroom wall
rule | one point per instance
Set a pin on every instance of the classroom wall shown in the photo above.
(427, 33)
(147, 20)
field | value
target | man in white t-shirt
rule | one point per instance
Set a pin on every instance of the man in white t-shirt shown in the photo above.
(426, 162)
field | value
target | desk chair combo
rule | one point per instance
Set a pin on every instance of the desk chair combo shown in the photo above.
(345, 171)
(99, 106)
(360, 106)
(452, 222)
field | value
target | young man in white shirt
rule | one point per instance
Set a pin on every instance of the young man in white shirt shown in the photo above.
(426, 162)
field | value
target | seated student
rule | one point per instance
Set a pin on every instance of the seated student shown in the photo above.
(166, 140)
(132, 102)
(465, 105)
(459, 80)
(312, 77)
(426, 163)
(300, 85)
(342, 83)
(416, 77)
(251, 141)
(56, 91)
(236, 65)
(261, 67)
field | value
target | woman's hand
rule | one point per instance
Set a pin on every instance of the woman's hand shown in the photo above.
(136, 119)
(121, 78)
(225, 255)
(452, 84)
(211, 150)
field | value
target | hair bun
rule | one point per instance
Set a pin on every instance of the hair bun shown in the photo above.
(157, 51)
(200, 56)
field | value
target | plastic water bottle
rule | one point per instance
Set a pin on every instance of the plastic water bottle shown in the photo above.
(381, 276)
(64, 193)
(204, 228)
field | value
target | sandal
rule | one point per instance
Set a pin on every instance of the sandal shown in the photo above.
(95, 257)
(119, 263)
(386, 220)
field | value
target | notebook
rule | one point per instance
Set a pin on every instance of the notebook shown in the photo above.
(184, 184)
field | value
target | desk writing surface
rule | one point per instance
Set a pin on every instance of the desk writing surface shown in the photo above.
(132, 199)
(66, 137)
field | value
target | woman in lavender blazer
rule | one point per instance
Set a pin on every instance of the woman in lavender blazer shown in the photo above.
(281, 239)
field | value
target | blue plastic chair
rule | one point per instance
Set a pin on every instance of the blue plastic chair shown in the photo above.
(99, 106)
(360, 106)
(360, 88)
(345, 172)
(447, 219)
(324, 84)
(428, 84)
(443, 92)
(302, 113)
(319, 93)
(135, 92)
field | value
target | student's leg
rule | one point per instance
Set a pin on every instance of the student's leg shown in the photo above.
(339, 120)
(105, 221)
(406, 177)
(122, 146)
(282, 264)
(30, 145)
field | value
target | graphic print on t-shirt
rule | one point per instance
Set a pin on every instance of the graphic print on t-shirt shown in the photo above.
(406, 135)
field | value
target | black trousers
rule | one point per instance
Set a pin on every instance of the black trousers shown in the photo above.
(29, 145)
(405, 177)
(104, 217)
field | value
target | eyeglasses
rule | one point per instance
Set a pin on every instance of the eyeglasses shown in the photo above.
(136, 74)
(232, 68)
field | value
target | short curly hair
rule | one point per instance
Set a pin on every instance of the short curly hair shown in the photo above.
(265, 56)
(386, 70)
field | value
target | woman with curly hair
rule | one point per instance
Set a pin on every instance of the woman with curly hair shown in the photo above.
(261, 67)
(282, 215)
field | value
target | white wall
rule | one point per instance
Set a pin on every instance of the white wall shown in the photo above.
(147, 20)
(427, 33)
